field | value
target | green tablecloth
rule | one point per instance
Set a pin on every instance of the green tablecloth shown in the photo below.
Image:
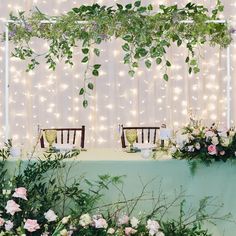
(217, 180)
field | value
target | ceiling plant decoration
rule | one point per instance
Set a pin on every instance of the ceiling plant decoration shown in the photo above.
(146, 34)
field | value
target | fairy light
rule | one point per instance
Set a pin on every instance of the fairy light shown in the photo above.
(39, 95)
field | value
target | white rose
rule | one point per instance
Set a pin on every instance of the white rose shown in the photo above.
(215, 141)
(110, 231)
(50, 216)
(225, 142)
(197, 146)
(65, 220)
(210, 134)
(134, 222)
(191, 148)
(85, 220)
(64, 232)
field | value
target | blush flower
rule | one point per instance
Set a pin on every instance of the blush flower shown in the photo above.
(222, 153)
(8, 225)
(209, 134)
(50, 216)
(20, 193)
(123, 220)
(153, 227)
(31, 225)
(12, 207)
(100, 223)
(110, 231)
(130, 231)
(2, 221)
(212, 150)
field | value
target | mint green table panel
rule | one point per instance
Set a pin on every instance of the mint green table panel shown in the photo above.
(217, 180)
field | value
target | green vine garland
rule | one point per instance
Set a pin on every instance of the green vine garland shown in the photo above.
(146, 35)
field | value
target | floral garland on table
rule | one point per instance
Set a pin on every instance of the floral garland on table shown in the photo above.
(197, 142)
(147, 35)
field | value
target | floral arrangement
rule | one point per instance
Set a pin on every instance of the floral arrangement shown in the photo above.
(34, 201)
(208, 144)
(50, 224)
(147, 35)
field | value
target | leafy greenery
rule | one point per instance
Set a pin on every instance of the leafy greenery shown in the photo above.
(147, 35)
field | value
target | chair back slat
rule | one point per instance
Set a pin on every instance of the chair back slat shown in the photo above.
(74, 136)
(68, 136)
(148, 135)
(61, 136)
(68, 140)
(154, 136)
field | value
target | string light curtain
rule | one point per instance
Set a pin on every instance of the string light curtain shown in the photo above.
(51, 99)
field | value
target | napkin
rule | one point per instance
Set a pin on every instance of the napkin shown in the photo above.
(63, 147)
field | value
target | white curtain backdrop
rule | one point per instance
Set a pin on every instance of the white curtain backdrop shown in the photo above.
(51, 99)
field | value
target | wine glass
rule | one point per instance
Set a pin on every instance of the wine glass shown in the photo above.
(50, 136)
(131, 136)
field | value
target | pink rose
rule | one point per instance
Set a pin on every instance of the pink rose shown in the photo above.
(8, 225)
(129, 231)
(2, 221)
(31, 225)
(222, 153)
(12, 207)
(100, 223)
(212, 150)
(20, 193)
(123, 220)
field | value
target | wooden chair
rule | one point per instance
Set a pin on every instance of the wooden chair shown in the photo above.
(148, 134)
(66, 135)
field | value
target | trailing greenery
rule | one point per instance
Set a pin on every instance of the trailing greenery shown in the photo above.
(147, 35)
(41, 198)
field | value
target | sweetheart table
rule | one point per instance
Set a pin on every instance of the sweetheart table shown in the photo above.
(162, 175)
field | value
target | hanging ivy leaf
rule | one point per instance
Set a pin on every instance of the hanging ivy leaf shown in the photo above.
(148, 63)
(128, 6)
(85, 50)
(90, 86)
(81, 92)
(131, 73)
(96, 66)
(128, 38)
(85, 60)
(168, 63)
(85, 103)
(165, 77)
(158, 61)
(96, 52)
(126, 47)
(95, 73)
(179, 42)
(137, 3)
